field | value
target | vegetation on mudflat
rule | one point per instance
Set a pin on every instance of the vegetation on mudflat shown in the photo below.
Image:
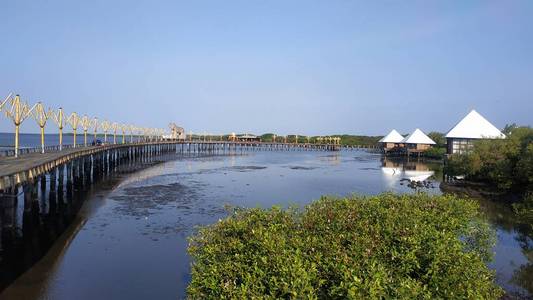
(507, 164)
(361, 247)
(358, 140)
(347, 140)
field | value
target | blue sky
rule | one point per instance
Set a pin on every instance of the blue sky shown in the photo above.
(306, 67)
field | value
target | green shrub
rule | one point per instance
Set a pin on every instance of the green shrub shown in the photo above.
(385, 246)
(439, 138)
(435, 152)
(505, 163)
(358, 140)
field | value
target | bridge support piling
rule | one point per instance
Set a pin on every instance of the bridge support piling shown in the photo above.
(8, 215)
(52, 194)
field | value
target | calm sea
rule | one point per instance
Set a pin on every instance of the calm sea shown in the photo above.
(30, 140)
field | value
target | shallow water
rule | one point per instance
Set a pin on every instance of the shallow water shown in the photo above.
(130, 241)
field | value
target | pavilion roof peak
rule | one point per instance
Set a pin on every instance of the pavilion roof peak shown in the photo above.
(474, 126)
(392, 137)
(418, 137)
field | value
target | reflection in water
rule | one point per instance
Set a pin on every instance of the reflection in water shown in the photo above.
(514, 250)
(418, 173)
(523, 276)
(130, 239)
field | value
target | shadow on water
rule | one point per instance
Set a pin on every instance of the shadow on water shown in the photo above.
(39, 235)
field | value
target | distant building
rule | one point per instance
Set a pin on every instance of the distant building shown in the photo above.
(391, 140)
(473, 127)
(176, 133)
(417, 142)
(247, 138)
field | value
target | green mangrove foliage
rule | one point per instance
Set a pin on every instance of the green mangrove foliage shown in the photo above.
(505, 163)
(438, 151)
(362, 247)
(435, 153)
(358, 140)
(439, 138)
(346, 139)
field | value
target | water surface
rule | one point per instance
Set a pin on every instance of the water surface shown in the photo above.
(130, 241)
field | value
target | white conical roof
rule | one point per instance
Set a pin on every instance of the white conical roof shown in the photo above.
(418, 137)
(392, 137)
(474, 126)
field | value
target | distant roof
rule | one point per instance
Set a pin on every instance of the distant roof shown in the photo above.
(392, 137)
(474, 126)
(418, 137)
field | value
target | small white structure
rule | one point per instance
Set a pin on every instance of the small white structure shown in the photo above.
(177, 133)
(391, 140)
(247, 137)
(471, 128)
(417, 141)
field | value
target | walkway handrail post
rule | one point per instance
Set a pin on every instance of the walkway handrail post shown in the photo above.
(58, 119)
(18, 113)
(123, 128)
(85, 124)
(41, 116)
(131, 129)
(94, 124)
(105, 127)
(114, 126)
(74, 120)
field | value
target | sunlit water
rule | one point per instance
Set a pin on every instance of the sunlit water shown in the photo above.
(131, 239)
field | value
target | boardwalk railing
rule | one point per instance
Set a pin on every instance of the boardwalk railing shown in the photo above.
(23, 151)
(14, 171)
(262, 145)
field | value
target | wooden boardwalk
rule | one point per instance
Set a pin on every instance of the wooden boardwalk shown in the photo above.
(28, 167)
(11, 165)
(32, 164)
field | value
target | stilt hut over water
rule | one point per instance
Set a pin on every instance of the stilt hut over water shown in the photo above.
(417, 142)
(391, 140)
(473, 127)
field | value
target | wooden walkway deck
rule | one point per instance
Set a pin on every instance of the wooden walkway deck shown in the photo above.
(11, 165)
(28, 166)
(15, 171)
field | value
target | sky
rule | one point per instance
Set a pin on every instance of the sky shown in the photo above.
(288, 67)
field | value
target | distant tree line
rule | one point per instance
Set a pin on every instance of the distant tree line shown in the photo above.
(346, 139)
